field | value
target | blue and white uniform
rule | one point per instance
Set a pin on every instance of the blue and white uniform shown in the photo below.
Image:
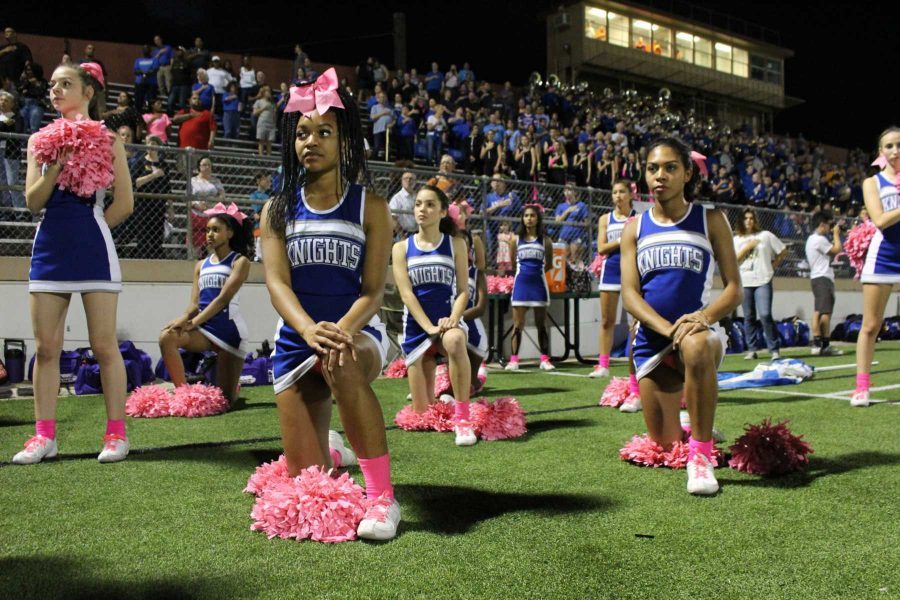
(227, 329)
(883, 256)
(73, 249)
(675, 265)
(477, 340)
(530, 285)
(326, 250)
(611, 271)
(432, 274)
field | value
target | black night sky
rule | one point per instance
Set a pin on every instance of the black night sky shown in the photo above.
(841, 66)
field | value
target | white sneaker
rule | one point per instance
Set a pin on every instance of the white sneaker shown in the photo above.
(447, 399)
(831, 351)
(815, 350)
(409, 397)
(482, 371)
(512, 366)
(701, 476)
(465, 434)
(685, 418)
(380, 522)
(336, 442)
(632, 404)
(115, 448)
(37, 448)
(776, 355)
(599, 372)
(750, 355)
(859, 398)
(546, 365)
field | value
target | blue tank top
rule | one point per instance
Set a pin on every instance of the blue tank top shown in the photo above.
(675, 263)
(326, 250)
(473, 283)
(66, 204)
(212, 279)
(890, 200)
(530, 257)
(432, 274)
(614, 229)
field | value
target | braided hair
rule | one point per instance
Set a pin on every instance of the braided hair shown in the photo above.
(242, 241)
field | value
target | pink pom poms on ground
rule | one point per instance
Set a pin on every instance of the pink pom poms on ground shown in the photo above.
(615, 393)
(267, 474)
(149, 401)
(597, 265)
(89, 168)
(441, 380)
(642, 450)
(198, 400)
(497, 284)
(396, 370)
(314, 505)
(857, 244)
(501, 419)
(438, 417)
(767, 449)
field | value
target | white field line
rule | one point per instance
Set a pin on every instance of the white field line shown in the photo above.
(844, 396)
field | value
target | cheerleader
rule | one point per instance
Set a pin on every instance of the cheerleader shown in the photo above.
(213, 320)
(74, 253)
(327, 240)
(881, 269)
(668, 257)
(532, 256)
(427, 266)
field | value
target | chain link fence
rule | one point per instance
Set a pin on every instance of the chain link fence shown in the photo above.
(173, 186)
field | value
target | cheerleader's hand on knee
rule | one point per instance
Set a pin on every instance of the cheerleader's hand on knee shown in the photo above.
(689, 324)
(447, 323)
(324, 336)
(189, 325)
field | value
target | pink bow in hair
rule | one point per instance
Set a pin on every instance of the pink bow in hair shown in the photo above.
(232, 211)
(319, 95)
(96, 72)
(880, 162)
(700, 161)
(535, 206)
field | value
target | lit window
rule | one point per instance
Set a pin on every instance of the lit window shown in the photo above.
(641, 35)
(662, 41)
(723, 57)
(702, 52)
(595, 24)
(618, 29)
(684, 46)
(741, 59)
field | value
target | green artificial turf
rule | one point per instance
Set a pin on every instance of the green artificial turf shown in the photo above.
(554, 514)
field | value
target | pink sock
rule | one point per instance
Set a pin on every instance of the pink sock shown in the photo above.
(704, 448)
(514, 358)
(603, 360)
(633, 385)
(545, 358)
(377, 472)
(460, 411)
(115, 427)
(46, 428)
(863, 381)
(335, 457)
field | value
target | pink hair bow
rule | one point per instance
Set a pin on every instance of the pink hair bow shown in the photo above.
(535, 206)
(232, 211)
(880, 162)
(319, 95)
(700, 161)
(96, 72)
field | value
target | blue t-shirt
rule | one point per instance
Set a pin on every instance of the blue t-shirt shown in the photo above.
(206, 96)
(572, 232)
(407, 127)
(258, 198)
(163, 55)
(461, 129)
(507, 211)
(433, 81)
(145, 70)
(230, 105)
(497, 130)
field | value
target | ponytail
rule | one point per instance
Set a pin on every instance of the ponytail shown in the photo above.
(448, 226)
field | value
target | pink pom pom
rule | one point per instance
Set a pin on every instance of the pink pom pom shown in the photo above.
(440, 416)
(616, 392)
(441, 380)
(409, 420)
(89, 167)
(497, 284)
(857, 244)
(314, 505)
(396, 370)
(267, 474)
(501, 419)
(148, 401)
(597, 265)
(198, 400)
(767, 449)
(642, 450)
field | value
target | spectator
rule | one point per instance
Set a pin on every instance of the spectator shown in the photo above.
(573, 213)
(501, 203)
(219, 79)
(381, 120)
(525, 159)
(33, 93)
(557, 161)
(206, 190)
(123, 114)
(248, 83)
(603, 176)
(492, 156)
(819, 252)
(181, 82)
(723, 188)
(264, 111)
(402, 204)
(11, 152)
(759, 253)
(300, 58)
(581, 165)
(311, 72)
(443, 179)
(406, 129)
(231, 116)
(472, 151)
(280, 103)
(204, 90)
(158, 122)
(163, 55)
(13, 56)
(198, 57)
(145, 68)
(150, 213)
(135, 157)
(466, 75)
(197, 126)
(435, 127)
(261, 194)
(434, 81)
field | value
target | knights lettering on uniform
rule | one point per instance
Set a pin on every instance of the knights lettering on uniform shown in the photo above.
(890, 202)
(431, 274)
(670, 256)
(526, 253)
(613, 235)
(212, 280)
(324, 250)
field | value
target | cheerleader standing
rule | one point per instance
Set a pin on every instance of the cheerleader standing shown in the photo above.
(882, 267)
(74, 253)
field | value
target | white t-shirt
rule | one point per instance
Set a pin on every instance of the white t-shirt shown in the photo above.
(404, 201)
(219, 78)
(248, 78)
(756, 268)
(817, 247)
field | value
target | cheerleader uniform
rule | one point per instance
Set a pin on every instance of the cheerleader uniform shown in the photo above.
(530, 285)
(675, 264)
(883, 256)
(227, 329)
(477, 339)
(73, 249)
(433, 277)
(326, 250)
(611, 271)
